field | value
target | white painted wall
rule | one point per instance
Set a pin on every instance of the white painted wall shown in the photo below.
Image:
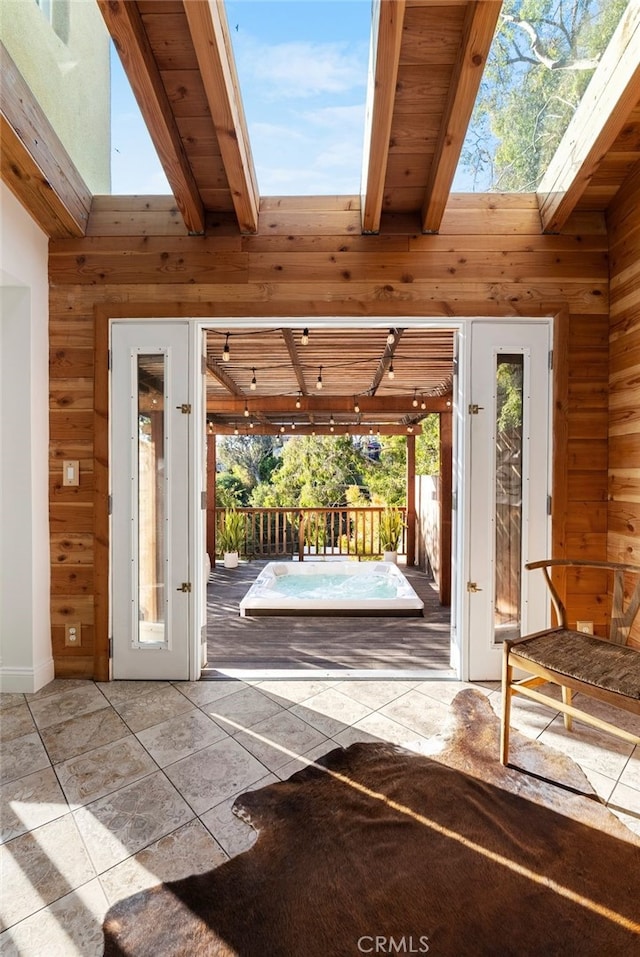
(26, 662)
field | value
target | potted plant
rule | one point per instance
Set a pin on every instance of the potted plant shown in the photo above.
(231, 537)
(391, 525)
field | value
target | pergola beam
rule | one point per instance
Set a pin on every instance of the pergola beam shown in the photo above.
(212, 45)
(286, 405)
(387, 21)
(478, 30)
(35, 164)
(385, 362)
(215, 369)
(289, 342)
(601, 115)
(127, 30)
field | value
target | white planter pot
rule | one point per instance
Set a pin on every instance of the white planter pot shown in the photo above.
(390, 557)
(230, 559)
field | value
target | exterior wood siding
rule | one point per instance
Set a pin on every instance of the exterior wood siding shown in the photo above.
(623, 538)
(489, 259)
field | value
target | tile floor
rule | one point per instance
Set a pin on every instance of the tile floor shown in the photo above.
(110, 788)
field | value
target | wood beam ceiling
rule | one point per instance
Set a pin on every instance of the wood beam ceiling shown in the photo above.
(387, 23)
(612, 94)
(478, 30)
(212, 45)
(35, 164)
(369, 405)
(336, 430)
(385, 361)
(289, 341)
(125, 25)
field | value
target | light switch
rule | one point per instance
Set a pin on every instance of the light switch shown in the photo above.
(71, 472)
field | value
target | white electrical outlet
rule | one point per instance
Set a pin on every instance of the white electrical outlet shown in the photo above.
(586, 627)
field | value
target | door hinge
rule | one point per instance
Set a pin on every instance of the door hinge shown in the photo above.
(473, 587)
(474, 409)
(184, 587)
(109, 359)
(185, 408)
(203, 500)
(551, 358)
(549, 504)
(110, 647)
(109, 504)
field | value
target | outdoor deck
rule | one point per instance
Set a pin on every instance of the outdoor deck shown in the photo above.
(367, 643)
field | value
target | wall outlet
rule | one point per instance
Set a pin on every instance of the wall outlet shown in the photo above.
(72, 634)
(586, 627)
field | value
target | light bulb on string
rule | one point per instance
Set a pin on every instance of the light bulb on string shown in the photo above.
(304, 338)
(298, 401)
(226, 353)
(356, 406)
(254, 384)
(246, 411)
(423, 404)
(319, 379)
(414, 401)
(236, 430)
(391, 336)
(391, 372)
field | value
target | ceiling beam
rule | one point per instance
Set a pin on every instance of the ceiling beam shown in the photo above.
(130, 38)
(289, 341)
(212, 44)
(35, 164)
(386, 41)
(369, 405)
(613, 92)
(385, 361)
(478, 30)
(223, 377)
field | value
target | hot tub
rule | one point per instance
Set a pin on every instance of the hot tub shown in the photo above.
(331, 588)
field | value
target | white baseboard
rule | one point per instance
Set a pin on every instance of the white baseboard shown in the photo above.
(26, 680)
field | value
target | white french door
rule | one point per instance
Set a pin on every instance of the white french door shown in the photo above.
(507, 487)
(151, 594)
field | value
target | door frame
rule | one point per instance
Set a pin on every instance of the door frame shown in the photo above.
(203, 316)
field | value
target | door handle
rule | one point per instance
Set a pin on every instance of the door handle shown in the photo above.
(184, 587)
(473, 587)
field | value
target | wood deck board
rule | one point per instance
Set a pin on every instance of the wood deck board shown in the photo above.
(274, 642)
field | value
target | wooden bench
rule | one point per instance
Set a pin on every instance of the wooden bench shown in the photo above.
(606, 669)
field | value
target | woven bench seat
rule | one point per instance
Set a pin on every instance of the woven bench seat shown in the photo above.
(605, 669)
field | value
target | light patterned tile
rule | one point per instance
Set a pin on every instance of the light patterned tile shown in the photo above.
(589, 747)
(287, 693)
(151, 708)
(280, 739)
(631, 773)
(625, 804)
(330, 711)
(29, 802)
(179, 737)
(379, 727)
(22, 756)
(55, 687)
(40, 867)
(242, 710)
(375, 694)
(88, 731)
(189, 850)
(16, 722)
(298, 764)
(206, 778)
(95, 774)
(119, 692)
(66, 704)
(417, 712)
(69, 927)
(203, 692)
(117, 826)
(447, 690)
(529, 717)
(231, 833)
(10, 700)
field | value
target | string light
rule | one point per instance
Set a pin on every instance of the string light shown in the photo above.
(423, 404)
(236, 430)
(226, 354)
(371, 431)
(332, 421)
(252, 424)
(246, 410)
(282, 428)
(304, 338)
(356, 406)
(319, 379)
(410, 429)
(414, 402)
(254, 384)
(391, 337)
(293, 426)
(298, 400)
(391, 373)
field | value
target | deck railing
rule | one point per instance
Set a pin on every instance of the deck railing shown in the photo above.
(278, 532)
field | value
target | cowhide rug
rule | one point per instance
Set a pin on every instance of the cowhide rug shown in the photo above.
(377, 850)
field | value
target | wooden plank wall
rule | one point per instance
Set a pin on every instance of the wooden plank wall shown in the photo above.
(489, 259)
(624, 378)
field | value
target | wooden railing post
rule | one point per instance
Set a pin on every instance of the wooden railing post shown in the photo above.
(301, 537)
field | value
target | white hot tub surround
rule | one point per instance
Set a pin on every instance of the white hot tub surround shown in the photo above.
(331, 588)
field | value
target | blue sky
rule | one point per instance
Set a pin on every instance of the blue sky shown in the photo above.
(302, 67)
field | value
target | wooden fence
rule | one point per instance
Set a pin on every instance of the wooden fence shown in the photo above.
(281, 532)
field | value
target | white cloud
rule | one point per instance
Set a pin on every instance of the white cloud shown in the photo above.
(301, 68)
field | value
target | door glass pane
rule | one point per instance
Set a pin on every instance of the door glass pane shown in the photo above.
(151, 500)
(508, 489)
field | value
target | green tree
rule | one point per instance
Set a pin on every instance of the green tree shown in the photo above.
(428, 446)
(231, 492)
(249, 457)
(316, 471)
(542, 58)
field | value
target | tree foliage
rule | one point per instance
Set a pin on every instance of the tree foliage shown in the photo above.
(541, 61)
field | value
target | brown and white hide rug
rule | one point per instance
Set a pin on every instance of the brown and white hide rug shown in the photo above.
(378, 850)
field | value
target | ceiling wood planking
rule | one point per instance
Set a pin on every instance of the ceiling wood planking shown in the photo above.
(35, 164)
(125, 25)
(369, 405)
(478, 31)
(608, 101)
(287, 335)
(212, 44)
(387, 25)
